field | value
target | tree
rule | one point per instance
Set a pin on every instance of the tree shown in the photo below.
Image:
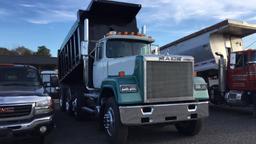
(43, 51)
(23, 51)
(5, 51)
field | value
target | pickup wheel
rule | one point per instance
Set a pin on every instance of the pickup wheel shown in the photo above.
(116, 132)
(189, 128)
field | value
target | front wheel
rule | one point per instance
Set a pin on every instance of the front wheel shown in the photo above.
(116, 132)
(189, 128)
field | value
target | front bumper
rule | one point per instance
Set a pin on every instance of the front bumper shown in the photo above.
(163, 113)
(30, 128)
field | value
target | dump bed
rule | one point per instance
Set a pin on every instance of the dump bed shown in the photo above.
(202, 45)
(103, 16)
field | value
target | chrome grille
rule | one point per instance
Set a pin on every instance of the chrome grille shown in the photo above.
(168, 81)
(15, 111)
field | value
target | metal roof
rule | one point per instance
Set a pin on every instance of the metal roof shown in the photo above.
(28, 60)
(231, 27)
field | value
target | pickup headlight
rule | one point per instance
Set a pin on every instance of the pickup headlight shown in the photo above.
(44, 106)
(200, 86)
(128, 88)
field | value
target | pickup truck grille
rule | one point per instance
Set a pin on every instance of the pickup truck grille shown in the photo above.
(168, 81)
(15, 111)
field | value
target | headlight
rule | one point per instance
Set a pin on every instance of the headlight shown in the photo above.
(44, 106)
(200, 86)
(128, 88)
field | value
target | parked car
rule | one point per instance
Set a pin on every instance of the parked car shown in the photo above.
(25, 107)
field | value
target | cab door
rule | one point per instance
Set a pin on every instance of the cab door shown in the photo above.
(238, 72)
(100, 65)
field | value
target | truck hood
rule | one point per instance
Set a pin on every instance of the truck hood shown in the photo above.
(21, 99)
(8, 91)
(125, 64)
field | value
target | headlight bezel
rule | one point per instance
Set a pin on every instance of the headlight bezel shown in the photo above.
(44, 106)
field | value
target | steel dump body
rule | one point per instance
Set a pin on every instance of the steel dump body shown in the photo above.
(202, 45)
(103, 16)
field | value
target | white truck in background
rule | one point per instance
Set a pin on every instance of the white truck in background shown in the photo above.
(222, 60)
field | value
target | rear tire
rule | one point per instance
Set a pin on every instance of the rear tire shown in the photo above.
(189, 128)
(69, 102)
(115, 130)
(62, 101)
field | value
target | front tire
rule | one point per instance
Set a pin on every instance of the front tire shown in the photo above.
(116, 132)
(189, 128)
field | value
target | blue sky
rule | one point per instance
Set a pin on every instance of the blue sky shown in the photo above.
(32, 23)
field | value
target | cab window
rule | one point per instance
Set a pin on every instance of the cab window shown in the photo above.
(241, 60)
(100, 47)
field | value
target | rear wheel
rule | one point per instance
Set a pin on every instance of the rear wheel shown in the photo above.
(69, 102)
(189, 128)
(116, 132)
(62, 101)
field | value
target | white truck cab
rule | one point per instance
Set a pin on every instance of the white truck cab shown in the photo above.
(117, 51)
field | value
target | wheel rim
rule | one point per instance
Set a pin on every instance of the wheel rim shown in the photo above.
(67, 106)
(60, 101)
(109, 121)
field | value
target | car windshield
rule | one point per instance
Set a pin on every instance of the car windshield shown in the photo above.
(120, 48)
(19, 76)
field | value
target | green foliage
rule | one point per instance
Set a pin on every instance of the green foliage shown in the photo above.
(23, 51)
(43, 51)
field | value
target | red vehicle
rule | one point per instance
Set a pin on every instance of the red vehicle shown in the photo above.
(222, 60)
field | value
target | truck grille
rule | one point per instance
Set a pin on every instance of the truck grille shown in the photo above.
(15, 111)
(168, 81)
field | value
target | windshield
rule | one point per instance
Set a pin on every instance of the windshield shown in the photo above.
(253, 58)
(19, 76)
(120, 48)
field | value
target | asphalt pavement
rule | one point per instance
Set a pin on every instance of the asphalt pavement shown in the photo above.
(224, 126)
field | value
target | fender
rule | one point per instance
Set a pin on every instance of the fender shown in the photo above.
(114, 83)
(200, 94)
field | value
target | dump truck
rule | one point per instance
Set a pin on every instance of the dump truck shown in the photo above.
(106, 69)
(222, 60)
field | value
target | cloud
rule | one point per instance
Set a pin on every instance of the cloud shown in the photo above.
(37, 21)
(181, 10)
(27, 5)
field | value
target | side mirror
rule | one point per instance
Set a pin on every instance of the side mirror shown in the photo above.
(54, 81)
(155, 49)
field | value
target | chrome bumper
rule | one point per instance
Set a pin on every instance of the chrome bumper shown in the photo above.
(28, 126)
(163, 113)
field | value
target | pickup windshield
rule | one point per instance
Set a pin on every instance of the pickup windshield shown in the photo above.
(120, 48)
(19, 76)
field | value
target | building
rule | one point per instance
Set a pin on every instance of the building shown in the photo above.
(41, 62)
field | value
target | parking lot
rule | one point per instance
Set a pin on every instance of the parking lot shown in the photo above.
(223, 126)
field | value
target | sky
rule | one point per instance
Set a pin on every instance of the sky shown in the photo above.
(32, 23)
